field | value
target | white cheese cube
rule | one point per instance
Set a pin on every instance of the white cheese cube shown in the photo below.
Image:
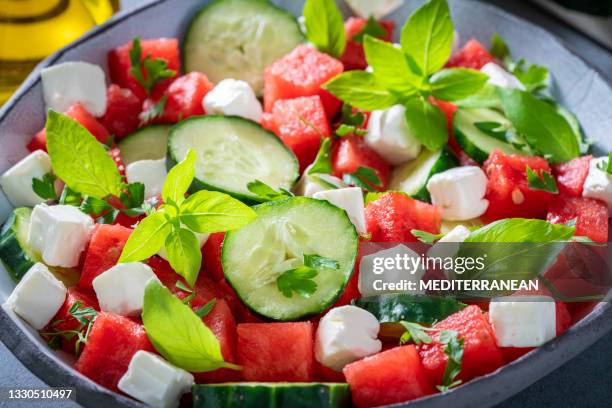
(389, 136)
(72, 82)
(120, 289)
(523, 321)
(500, 77)
(17, 181)
(349, 199)
(154, 381)
(233, 97)
(448, 245)
(309, 184)
(375, 8)
(202, 238)
(151, 173)
(60, 233)
(346, 334)
(459, 193)
(38, 296)
(598, 183)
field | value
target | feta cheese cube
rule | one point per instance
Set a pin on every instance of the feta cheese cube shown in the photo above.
(202, 238)
(376, 8)
(598, 183)
(349, 199)
(120, 289)
(500, 77)
(72, 82)
(309, 184)
(233, 97)
(459, 193)
(523, 321)
(17, 181)
(448, 245)
(389, 136)
(60, 233)
(154, 381)
(151, 173)
(346, 334)
(38, 296)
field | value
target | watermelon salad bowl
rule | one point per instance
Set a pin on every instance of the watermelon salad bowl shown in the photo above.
(187, 201)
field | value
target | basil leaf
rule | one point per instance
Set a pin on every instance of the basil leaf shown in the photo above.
(178, 334)
(373, 28)
(513, 230)
(485, 97)
(544, 181)
(427, 122)
(323, 162)
(499, 49)
(267, 193)
(79, 159)
(147, 238)
(456, 83)
(299, 280)
(427, 36)
(179, 179)
(390, 67)
(361, 90)
(364, 177)
(211, 211)
(426, 237)
(325, 26)
(542, 127)
(317, 261)
(534, 77)
(45, 187)
(184, 254)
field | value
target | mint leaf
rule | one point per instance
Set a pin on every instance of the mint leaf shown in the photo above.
(267, 193)
(427, 122)
(179, 179)
(426, 237)
(317, 261)
(206, 309)
(79, 159)
(542, 127)
(178, 334)
(211, 211)
(364, 177)
(45, 187)
(544, 181)
(427, 36)
(184, 254)
(299, 281)
(361, 90)
(454, 352)
(372, 28)
(325, 26)
(323, 162)
(456, 83)
(606, 165)
(415, 333)
(147, 71)
(147, 238)
(499, 49)
(154, 112)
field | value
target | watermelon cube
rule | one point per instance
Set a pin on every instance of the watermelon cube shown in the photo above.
(480, 353)
(350, 153)
(302, 73)
(300, 123)
(571, 175)
(211, 256)
(473, 55)
(276, 351)
(122, 110)
(392, 217)
(354, 55)
(508, 191)
(103, 251)
(119, 64)
(393, 376)
(591, 215)
(112, 342)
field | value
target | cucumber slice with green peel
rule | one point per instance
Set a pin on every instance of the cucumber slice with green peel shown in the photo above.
(411, 178)
(15, 252)
(271, 395)
(238, 39)
(276, 241)
(148, 143)
(474, 142)
(232, 152)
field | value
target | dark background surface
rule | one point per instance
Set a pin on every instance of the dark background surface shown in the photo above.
(585, 381)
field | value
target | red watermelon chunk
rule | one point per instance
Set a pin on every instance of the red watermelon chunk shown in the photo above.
(122, 110)
(591, 215)
(211, 256)
(354, 56)
(571, 175)
(395, 375)
(111, 344)
(276, 351)
(119, 64)
(473, 55)
(103, 251)
(350, 153)
(480, 354)
(392, 217)
(301, 73)
(300, 123)
(508, 192)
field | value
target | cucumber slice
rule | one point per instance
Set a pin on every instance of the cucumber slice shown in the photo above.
(276, 241)
(232, 152)
(148, 143)
(474, 142)
(411, 178)
(15, 253)
(271, 395)
(238, 39)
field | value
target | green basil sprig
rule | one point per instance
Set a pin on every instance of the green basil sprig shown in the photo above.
(325, 26)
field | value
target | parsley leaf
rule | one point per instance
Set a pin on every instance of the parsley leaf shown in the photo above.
(45, 187)
(533, 77)
(154, 112)
(351, 118)
(103, 212)
(325, 26)
(454, 351)
(267, 193)
(322, 163)
(372, 28)
(415, 333)
(147, 71)
(364, 177)
(347, 130)
(606, 165)
(544, 181)
(70, 197)
(206, 309)
(298, 280)
(425, 236)
(85, 316)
